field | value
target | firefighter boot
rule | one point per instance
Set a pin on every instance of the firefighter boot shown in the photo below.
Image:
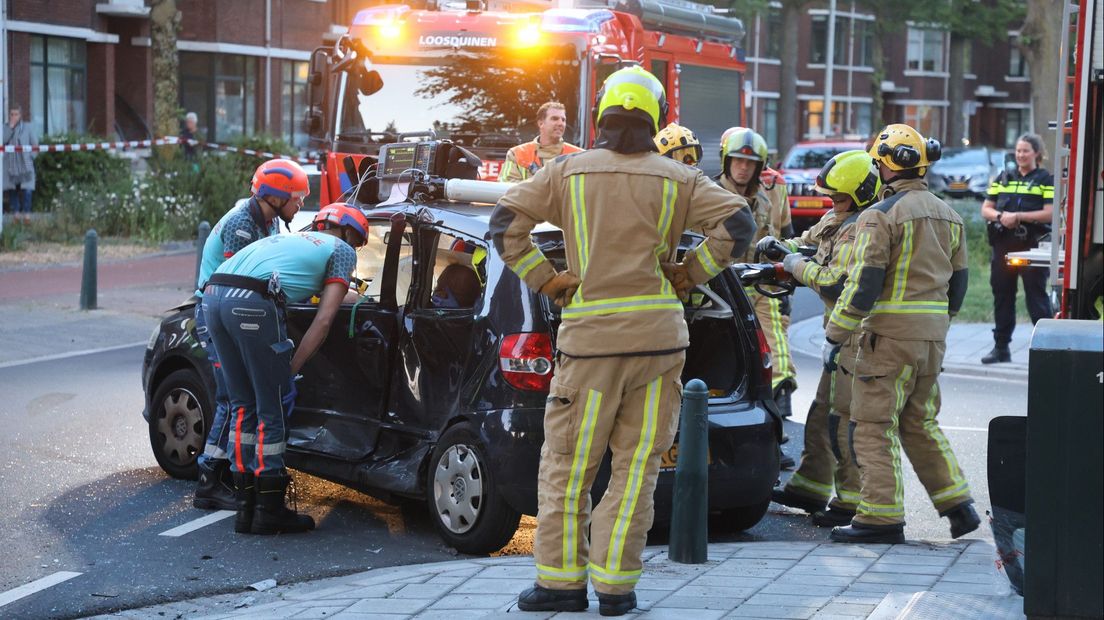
(833, 517)
(866, 533)
(616, 604)
(964, 519)
(271, 516)
(801, 502)
(215, 489)
(1000, 353)
(546, 599)
(244, 501)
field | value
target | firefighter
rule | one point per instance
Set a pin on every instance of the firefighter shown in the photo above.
(851, 179)
(907, 280)
(623, 337)
(1018, 208)
(278, 189)
(524, 160)
(245, 300)
(743, 160)
(680, 144)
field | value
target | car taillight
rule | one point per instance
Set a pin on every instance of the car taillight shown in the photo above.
(526, 361)
(766, 372)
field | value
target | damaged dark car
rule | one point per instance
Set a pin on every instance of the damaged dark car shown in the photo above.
(410, 398)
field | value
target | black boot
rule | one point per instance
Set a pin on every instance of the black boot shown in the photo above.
(215, 489)
(794, 500)
(1000, 353)
(785, 461)
(538, 598)
(782, 398)
(616, 604)
(865, 533)
(964, 519)
(245, 499)
(833, 517)
(271, 516)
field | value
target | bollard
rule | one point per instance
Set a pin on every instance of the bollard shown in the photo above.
(202, 233)
(88, 276)
(689, 517)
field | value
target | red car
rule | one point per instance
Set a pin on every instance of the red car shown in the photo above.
(799, 168)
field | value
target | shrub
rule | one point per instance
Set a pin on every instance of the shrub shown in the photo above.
(55, 173)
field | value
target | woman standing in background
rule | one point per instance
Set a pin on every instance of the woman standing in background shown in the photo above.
(19, 172)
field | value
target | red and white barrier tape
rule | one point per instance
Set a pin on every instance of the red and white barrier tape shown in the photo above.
(138, 144)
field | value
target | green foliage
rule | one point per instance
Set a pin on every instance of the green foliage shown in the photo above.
(58, 173)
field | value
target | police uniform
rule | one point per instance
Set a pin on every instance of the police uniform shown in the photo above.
(524, 160)
(1017, 193)
(907, 280)
(621, 343)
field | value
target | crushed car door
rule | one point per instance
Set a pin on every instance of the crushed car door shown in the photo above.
(343, 388)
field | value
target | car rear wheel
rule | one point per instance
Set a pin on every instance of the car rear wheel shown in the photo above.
(464, 505)
(180, 414)
(743, 517)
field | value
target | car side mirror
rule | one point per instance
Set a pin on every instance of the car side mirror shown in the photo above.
(369, 81)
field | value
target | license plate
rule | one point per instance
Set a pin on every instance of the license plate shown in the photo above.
(958, 186)
(807, 203)
(669, 459)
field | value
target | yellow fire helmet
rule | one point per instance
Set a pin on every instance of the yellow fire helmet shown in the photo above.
(900, 147)
(744, 143)
(679, 143)
(632, 92)
(852, 173)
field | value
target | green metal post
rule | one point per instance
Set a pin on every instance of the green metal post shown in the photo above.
(689, 538)
(88, 276)
(202, 233)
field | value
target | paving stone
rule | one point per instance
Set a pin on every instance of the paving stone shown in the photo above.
(804, 579)
(872, 589)
(716, 591)
(672, 613)
(479, 585)
(509, 572)
(442, 580)
(915, 569)
(473, 601)
(787, 600)
(850, 551)
(986, 589)
(455, 614)
(699, 602)
(828, 560)
(973, 577)
(317, 612)
(859, 598)
(741, 564)
(953, 549)
(423, 590)
(342, 591)
(848, 571)
(755, 551)
(772, 611)
(388, 606)
(824, 616)
(651, 582)
(352, 615)
(736, 581)
(847, 609)
(905, 579)
(806, 589)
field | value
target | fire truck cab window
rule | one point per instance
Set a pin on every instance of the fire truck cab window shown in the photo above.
(710, 100)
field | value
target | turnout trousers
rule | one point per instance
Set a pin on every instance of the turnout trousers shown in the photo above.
(826, 462)
(631, 405)
(219, 433)
(776, 325)
(894, 405)
(250, 336)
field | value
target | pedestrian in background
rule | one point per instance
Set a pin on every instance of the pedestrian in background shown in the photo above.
(1018, 209)
(189, 137)
(19, 172)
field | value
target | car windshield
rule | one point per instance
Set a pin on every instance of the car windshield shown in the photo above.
(811, 157)
(965, 157)
(474, 97)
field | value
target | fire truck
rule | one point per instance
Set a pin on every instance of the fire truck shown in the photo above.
(1075, 253)
(477, 77)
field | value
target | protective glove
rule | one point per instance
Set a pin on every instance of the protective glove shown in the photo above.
(791, 261)
(561, 287)
(829, 353)
(679, 276)
(771, 248)
(290, 394)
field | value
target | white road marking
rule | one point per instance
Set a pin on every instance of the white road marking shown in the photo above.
(61, 356)
(192, 526)
(971, 429)
(35, 586)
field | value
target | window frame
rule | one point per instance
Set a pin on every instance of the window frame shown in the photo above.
(926, 39)
(75, 125)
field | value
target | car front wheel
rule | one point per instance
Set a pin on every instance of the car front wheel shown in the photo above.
(464, 505)
(180, 414)
(744, 517)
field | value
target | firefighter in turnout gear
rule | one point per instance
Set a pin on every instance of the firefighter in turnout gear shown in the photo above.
(524, 160)
(279, 187)
(743, 161)
(907, 279)
(680, 144)
(622, 340)
(851, 179)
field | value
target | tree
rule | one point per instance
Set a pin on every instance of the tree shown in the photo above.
(1039, 42)
(164, 25)
(889, 19)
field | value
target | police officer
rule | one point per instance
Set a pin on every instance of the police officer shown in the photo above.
(907, 280)
(743, 160)
(679, 143)
(851, 179)
(245, 300)
(623, 336)
(1018, 209)
(524, 160)
(278, 187)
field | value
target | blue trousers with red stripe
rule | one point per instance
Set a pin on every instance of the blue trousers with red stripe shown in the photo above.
(250, 337)
(219, 433)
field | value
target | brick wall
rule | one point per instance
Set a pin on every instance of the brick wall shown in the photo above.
(100, 117)
(79, 13)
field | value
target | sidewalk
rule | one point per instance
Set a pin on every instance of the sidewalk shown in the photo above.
(967, 343)
(739, 580)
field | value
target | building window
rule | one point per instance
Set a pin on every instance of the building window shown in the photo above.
(1017, 122)
(769, 123)
(294, 102)
(925, 50)
(924, 118)
(58, 71)
(862, 119)
(814, 118)
(773, 33)
(222, 90)
(1017, 64)
(820, 41)
(864, 43)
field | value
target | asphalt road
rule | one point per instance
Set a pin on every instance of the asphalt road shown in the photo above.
(84, 495)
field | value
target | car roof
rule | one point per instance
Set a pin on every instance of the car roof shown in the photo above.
(850, 144)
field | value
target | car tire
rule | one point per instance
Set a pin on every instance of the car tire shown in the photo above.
(478, 522)
(180, 414)
(743, 517)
